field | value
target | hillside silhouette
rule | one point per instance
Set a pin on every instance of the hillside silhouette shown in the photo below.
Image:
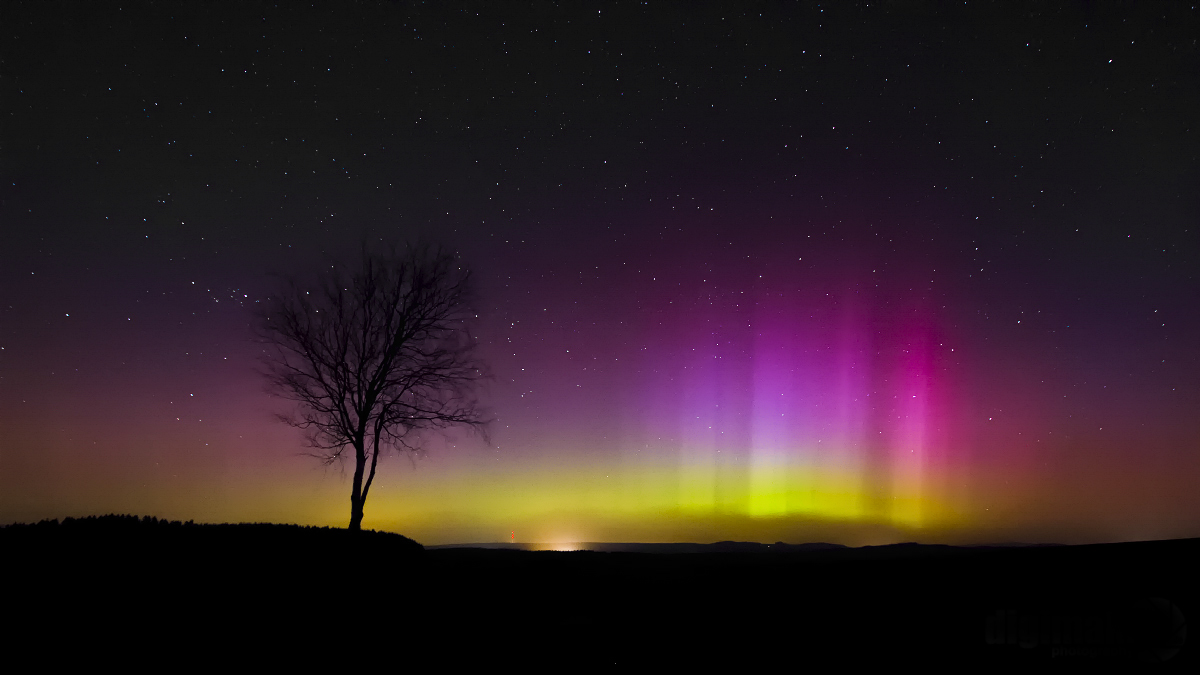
(142, 588)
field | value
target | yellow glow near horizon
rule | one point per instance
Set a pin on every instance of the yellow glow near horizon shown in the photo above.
(561, 546)
(656, 495)
(543, 501)
(559, 499)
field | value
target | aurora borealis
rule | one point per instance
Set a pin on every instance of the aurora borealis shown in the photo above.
(858, 273)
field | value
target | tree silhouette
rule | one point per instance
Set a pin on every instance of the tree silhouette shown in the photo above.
(375, 356)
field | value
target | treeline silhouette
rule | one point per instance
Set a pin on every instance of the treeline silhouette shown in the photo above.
(141, 552)
(158, 533)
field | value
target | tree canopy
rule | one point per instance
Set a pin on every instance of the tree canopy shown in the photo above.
(375, 355)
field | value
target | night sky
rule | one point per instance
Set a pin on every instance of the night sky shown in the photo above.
(860, 273)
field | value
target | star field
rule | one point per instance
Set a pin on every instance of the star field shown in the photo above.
(856, 272)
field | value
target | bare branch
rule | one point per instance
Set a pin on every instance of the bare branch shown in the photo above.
(374, 356)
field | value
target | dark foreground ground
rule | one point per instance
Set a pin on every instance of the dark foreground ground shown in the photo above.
(166, 595)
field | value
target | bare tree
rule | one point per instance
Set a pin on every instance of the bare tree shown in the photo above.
(375, 356)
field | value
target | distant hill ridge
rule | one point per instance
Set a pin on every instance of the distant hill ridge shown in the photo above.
(902, 548)
(717, 547)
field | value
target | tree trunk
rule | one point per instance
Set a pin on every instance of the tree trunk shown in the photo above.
(356, 514)
(356, 497)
